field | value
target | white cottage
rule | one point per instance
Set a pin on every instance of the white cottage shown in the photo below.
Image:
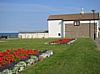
(73, 25)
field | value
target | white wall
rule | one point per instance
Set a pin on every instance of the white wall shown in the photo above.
(97, 29)
(54, 27)
(33, 35)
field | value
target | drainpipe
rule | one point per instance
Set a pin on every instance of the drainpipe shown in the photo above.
(93, 11)
(62, 29)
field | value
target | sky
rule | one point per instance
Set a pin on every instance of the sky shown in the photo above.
(32, 15)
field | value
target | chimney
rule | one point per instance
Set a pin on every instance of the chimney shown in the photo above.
(82, 11)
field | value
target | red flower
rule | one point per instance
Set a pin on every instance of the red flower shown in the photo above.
(9, 59)
(1, 54)
(9, 56)
(62, 41)
(1, 60)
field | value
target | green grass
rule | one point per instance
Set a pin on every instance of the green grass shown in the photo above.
(81, 57)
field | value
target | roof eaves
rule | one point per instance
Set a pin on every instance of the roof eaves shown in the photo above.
(54, 19)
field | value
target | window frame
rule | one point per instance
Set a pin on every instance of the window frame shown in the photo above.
(76, 23)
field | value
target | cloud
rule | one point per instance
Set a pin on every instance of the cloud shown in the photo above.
(13, 7)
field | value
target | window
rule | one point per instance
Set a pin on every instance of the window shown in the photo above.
(76, 23)
(59, 34)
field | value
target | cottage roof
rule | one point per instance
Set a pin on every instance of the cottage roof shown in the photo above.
(85, 16)
(35, 32)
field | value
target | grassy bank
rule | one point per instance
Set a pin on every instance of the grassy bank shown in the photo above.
(81, 57)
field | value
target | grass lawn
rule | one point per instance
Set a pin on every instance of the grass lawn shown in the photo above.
(81, 57)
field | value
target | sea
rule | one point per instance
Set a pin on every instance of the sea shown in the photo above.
(10, 35)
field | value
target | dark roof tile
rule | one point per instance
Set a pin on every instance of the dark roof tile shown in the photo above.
(85, 16)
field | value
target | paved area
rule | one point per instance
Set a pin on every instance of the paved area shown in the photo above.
(98, 43)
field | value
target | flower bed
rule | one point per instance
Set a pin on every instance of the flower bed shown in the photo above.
(14, 61)
(63, 41)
